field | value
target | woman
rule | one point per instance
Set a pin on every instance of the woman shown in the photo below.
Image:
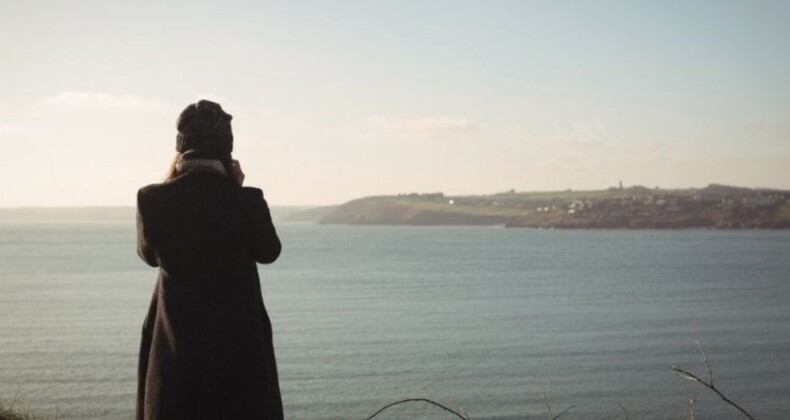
(206, 350)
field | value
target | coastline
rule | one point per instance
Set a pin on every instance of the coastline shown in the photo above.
(712, 207)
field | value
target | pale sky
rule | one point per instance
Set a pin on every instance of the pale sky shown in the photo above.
(335, 100)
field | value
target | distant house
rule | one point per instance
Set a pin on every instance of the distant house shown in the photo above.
(763, 201)
(575, 205)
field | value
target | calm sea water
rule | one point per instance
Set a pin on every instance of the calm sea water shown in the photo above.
(481, 319)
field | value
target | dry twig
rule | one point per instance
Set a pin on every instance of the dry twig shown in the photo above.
(709, 384)
(625, 412)
(693, 408)
(463, 416)
(551, 414)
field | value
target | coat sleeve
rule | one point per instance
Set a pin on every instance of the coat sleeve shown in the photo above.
(266, 244)
(144, 249)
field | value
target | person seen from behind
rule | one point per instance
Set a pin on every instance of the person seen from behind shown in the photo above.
(206, 350)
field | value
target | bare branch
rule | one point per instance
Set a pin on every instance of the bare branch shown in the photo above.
(551, 414)
(705, 360)
(693, 408)
(16, 394)
(695, 378)
(692, 377)
(464, 413)
(685, 375)
(563, 412)
(459, 415)
(622, 407)
(548, 407)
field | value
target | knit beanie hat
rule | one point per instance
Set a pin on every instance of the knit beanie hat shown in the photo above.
(204, 126)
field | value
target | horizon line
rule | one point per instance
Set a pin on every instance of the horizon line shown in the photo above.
(119, 206)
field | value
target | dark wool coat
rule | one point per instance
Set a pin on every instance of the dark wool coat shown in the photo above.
(206, 349)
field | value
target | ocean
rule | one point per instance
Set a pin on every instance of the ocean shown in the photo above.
(481, 319)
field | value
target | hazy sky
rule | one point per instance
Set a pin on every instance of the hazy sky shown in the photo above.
(342, 99)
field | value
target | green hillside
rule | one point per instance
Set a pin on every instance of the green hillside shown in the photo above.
(715, 206)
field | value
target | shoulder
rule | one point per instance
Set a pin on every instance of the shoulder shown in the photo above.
(149, 193)
(149, 189)
(252, 192)
(252, 196)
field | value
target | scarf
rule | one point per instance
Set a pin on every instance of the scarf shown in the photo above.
(187, 164)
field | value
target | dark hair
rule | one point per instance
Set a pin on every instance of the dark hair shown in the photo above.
(172, 173)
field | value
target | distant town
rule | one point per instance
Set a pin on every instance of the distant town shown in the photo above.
(637, 207)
